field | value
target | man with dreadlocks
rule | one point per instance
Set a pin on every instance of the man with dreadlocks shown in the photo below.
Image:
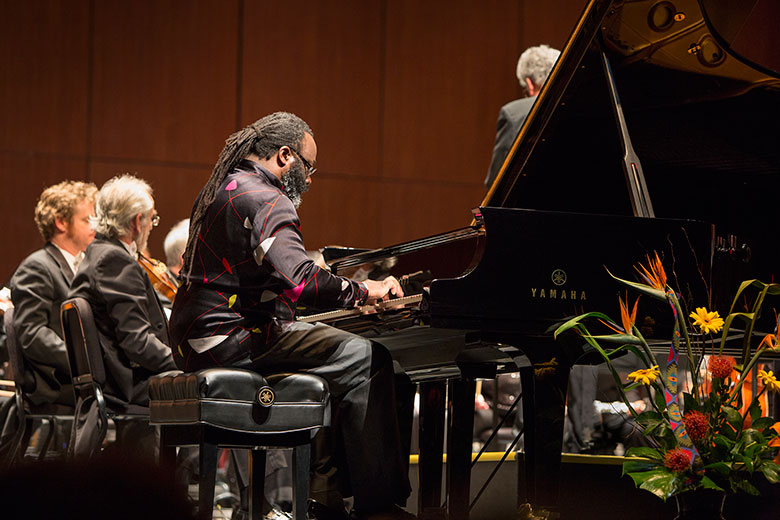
(245, 270)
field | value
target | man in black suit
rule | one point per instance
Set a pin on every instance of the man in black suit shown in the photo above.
(131, 323)
(41, 283)
(533, 67)
(130, 320)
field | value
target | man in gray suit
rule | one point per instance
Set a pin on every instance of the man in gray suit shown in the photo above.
(533, 67)
(41, 283)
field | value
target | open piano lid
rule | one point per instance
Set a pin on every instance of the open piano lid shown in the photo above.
(699, 90)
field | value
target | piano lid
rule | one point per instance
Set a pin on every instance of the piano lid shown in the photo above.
(701, 102)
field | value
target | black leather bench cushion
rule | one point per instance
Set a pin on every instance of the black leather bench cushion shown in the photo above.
(228, 398)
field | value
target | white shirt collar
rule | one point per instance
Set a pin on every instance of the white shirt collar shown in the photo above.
(131, 248)
(72, 260)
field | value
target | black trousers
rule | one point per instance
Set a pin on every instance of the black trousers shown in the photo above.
(366, 455)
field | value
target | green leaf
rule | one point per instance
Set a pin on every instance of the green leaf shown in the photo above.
(721, 468)
(650, 418)
(740, 484)
(771, 471)
(642, 288)
(763, 423)
(637, 465)
(660, 401)
(733, 417)
(623, 339)
(755, 411)
(721, 441)
(575, 322)
(642, 451)
(708, 483)
(659, 482)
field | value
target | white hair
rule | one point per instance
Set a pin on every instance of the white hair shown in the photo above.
(118, 202)
(536, 63)
(176, 241)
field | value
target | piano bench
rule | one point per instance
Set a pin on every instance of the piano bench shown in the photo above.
(234, 408)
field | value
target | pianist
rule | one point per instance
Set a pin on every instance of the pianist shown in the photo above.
(246, 269)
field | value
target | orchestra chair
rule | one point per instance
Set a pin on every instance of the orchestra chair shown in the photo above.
(85, 356)
(51, 415)
(240, 409)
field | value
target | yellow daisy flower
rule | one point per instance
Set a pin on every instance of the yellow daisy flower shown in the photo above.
(645, 376)
(707, 321)
(769, 380)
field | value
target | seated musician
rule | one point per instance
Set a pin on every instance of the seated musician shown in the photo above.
(246, 269)
(41, 283)
(174, 244)
(129, 318)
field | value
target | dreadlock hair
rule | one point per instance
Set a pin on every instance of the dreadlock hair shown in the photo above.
(263, 138)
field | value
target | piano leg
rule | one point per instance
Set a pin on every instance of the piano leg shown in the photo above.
(432, 406)
(544, 399)
(459, 447)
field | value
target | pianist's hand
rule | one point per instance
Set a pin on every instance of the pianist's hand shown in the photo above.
(377, 290)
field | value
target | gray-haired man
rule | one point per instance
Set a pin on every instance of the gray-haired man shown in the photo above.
(533, 67)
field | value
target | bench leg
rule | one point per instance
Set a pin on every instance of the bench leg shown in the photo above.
(301, 465)
(208, 474)
(256, 483)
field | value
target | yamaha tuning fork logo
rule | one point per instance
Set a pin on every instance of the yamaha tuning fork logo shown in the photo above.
(557, 291)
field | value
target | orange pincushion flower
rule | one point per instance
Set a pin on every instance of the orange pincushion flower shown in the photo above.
(677, 460)
(721, 366)
(696, 424)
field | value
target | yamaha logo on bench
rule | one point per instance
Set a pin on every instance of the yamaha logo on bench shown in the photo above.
(266, 396)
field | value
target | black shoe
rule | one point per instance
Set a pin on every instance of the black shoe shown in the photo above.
(319, 511)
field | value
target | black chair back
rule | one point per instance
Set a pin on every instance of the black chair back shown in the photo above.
(15, 354)
(83, 346)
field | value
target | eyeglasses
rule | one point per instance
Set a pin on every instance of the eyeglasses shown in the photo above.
(309, 168)
(155, 219)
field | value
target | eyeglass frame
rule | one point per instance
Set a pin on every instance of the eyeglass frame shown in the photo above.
(155, 219)
(309, 168)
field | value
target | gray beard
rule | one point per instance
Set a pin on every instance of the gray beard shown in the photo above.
(294, 184)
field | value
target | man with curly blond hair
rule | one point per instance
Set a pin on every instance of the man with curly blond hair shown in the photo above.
(41, 283)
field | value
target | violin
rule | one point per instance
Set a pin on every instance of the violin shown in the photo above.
(162, 280)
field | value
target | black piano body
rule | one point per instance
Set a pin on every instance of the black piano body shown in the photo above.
(652, 134)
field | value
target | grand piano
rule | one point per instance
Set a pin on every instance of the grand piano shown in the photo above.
(657, 131)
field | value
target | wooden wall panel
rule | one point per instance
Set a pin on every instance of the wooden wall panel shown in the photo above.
(24, 178)
(175, 189)
(343, 212)
(323, 63)
(412, 211)
(43, 76)
(446, 78)
(164, 78)
(550, 22)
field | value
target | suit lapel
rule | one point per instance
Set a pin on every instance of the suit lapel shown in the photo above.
(55, 253)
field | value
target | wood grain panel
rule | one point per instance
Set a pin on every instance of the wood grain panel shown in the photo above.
(165, 74)
(24, 178)
(323, 64)
(550, 22)
(175, 189)
(342, 212)
(449, 70)
(416, 210)
(43, 83)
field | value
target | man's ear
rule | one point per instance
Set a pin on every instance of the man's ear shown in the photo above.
(62, 225)
(283, 156)
(137, 225)
(533, 88)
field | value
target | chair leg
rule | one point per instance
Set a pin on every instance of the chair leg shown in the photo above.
(49, 436)
(301, 465)
(208, 474)
(256, 483)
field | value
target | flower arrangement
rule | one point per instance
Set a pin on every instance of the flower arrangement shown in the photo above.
(706, 436)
